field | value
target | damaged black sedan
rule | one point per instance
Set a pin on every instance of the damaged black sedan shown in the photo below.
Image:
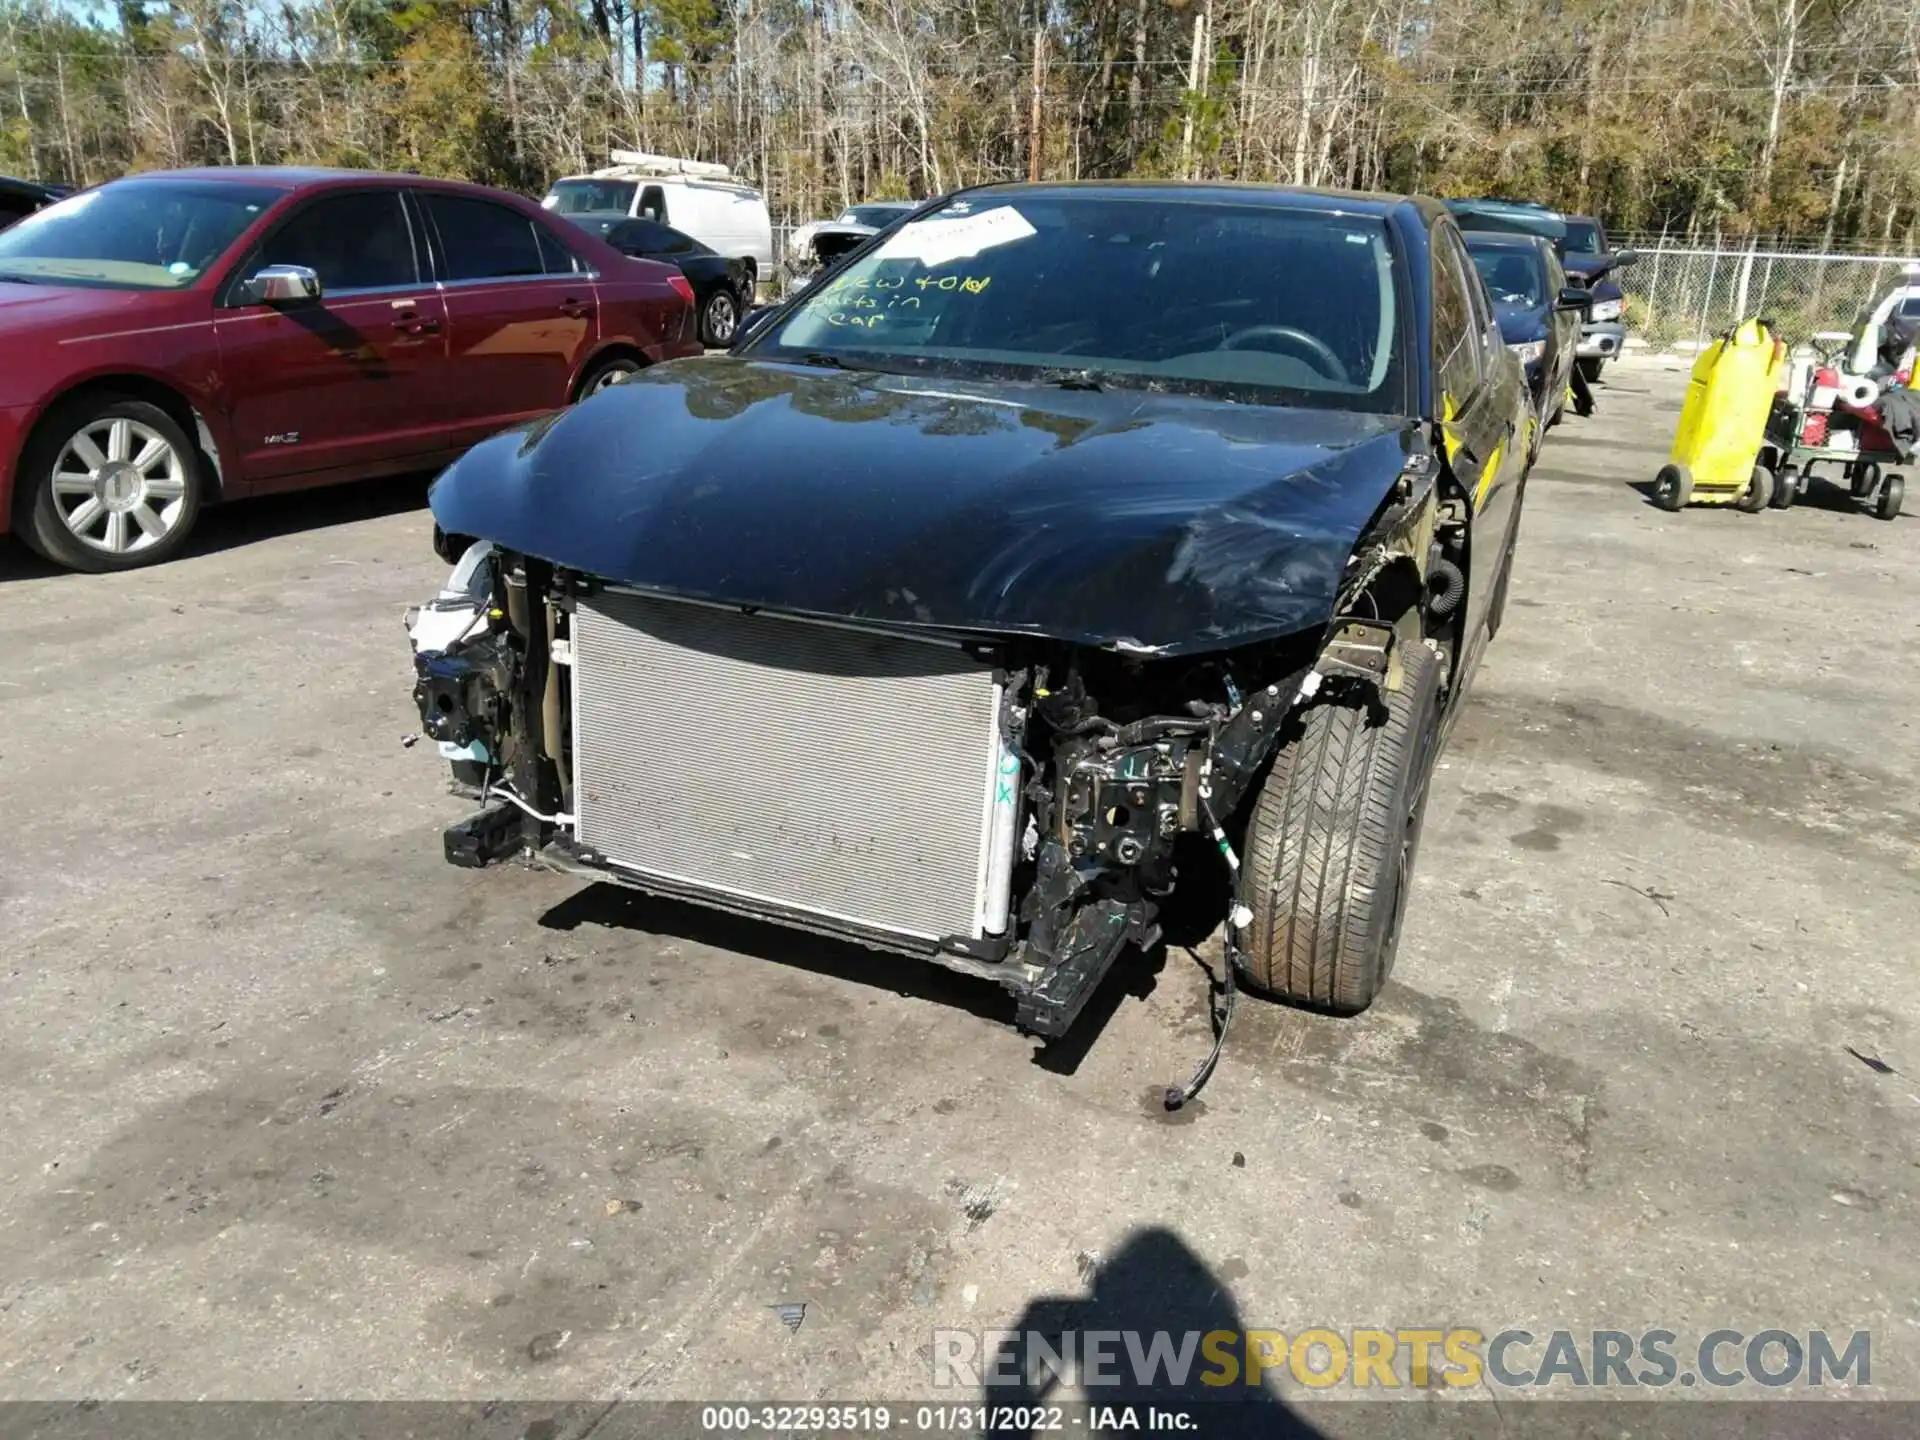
(1064, 536)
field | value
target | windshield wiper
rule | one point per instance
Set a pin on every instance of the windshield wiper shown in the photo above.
(825, 361)
(15, 278)
(1095, 380)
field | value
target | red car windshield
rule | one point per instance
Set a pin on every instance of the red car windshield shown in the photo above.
(132, 234)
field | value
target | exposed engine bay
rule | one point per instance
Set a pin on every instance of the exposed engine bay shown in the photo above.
(1008, 806)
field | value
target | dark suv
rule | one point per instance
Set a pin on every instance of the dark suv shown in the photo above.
(182, 337)
(1586, 250)
(1581, 243)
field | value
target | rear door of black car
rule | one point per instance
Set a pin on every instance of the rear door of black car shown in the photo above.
(1479, 409)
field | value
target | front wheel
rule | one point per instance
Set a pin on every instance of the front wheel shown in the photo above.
(1330, 847)
(114, 484)
(1673, 487)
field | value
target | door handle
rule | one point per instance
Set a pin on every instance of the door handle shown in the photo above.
(574, 308)
(411, 324)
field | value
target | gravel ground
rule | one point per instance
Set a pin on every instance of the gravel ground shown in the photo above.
(293, 1109)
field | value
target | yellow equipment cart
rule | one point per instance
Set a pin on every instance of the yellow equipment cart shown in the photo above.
(1723, 424)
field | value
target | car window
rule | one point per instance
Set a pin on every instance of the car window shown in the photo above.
(1513, 276)
(132, 234)
(554, 253)
(1583, 237)
(480, 240)
(1456, 358)
(874, 215)
(581, 197)
(1485, 323)
(647, 237)
(1477, 298)
(14, 207)
(359, 241)
(1204, 296)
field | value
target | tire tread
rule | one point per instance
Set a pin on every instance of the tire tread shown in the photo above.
(1322, 846)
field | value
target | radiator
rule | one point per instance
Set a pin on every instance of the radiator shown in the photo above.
(844, 773)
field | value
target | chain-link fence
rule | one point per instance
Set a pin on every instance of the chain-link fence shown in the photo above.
(1679, 295)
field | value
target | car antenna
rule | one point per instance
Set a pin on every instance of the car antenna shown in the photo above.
(1237, 919)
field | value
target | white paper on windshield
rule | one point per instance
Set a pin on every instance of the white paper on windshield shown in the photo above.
(940, 242)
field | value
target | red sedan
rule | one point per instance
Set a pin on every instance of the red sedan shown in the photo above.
(179, 338)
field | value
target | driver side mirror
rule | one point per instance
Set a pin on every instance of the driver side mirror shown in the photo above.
(1574, 297)
(281, 285)
(1623, 258)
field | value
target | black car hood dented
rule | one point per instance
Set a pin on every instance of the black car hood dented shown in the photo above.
(1134, 520)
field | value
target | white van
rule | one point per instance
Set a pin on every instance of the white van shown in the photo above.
(694, 197)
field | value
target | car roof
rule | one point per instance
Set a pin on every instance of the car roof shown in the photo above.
(305, 177)
(1239, 192)
(1499, 200)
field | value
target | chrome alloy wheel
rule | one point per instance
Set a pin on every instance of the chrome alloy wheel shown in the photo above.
(722, 318)
(119, 485)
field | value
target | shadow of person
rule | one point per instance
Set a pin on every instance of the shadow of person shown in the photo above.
(1187, 1352)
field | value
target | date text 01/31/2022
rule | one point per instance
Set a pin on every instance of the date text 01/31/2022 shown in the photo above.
(943, 1419)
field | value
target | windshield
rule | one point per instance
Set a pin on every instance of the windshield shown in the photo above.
(584, 197)
(1513, 277)
(1583, 237)
(132, 234)
(874, 215)
(1241, 301)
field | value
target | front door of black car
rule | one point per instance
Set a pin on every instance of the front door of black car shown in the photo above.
(1479, 408)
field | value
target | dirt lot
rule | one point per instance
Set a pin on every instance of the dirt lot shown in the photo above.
(294, 1109)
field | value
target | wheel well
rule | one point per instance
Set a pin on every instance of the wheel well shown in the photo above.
(612, 352)
(1398, 588)
(154, 392)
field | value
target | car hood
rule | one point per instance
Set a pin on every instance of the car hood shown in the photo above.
(1583, 265)
(24, 304)
(1521, 324)
(1137, 521)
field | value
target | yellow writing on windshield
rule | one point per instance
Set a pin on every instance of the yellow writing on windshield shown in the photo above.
(855, 292)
